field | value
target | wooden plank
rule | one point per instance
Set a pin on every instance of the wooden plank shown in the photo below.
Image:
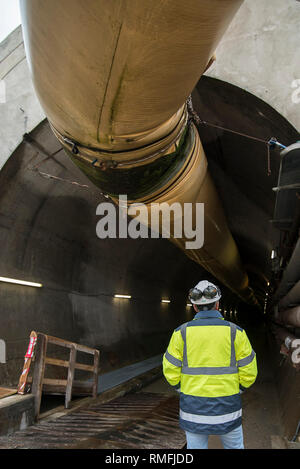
(61, 384)
(96, 372)
(61, 390)
(84, 348)
(23, 381)
(56, 362)
(82, 366)
(70, 379)
(39, 370)
(60, 342)
(55, 382)
(65, 363)
(4, 392)
(68, 344)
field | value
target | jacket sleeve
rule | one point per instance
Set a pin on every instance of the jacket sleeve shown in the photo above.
(172, 360)
(246, 360)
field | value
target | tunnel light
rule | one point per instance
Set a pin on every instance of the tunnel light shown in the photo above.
(122, 296)
(165, 301)
(20, 282)
(273, 254)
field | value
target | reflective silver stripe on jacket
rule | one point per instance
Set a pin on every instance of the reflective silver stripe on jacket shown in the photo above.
(232, 337)
(210, 419)
(209, 370)
(183, 335)
(174, 361)
(247, 360)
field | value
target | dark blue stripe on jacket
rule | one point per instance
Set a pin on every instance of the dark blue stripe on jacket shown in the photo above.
(210, 405)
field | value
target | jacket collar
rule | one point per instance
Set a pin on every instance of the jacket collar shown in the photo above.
(208, 315)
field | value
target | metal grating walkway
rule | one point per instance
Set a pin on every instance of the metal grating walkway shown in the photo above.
(143, 420)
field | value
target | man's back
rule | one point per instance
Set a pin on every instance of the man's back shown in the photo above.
(211, 360)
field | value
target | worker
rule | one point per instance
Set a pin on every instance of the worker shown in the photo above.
(210, 362)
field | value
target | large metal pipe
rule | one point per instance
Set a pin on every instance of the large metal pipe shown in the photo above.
(290, 317)
(287, 342)
(291, 299)
(282, 335)
(291, 274)
(113, 78)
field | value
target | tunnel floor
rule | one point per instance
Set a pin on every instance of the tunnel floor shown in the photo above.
(262, 423)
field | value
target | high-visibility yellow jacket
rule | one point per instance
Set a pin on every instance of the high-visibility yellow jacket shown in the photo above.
(210, 361)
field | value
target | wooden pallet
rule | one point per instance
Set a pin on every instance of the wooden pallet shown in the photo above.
(39, 384)
(58, 385)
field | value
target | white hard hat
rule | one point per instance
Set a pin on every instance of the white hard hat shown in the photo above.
(204, 293)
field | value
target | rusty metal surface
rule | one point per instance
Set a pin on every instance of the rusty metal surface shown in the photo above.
(143, 420)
